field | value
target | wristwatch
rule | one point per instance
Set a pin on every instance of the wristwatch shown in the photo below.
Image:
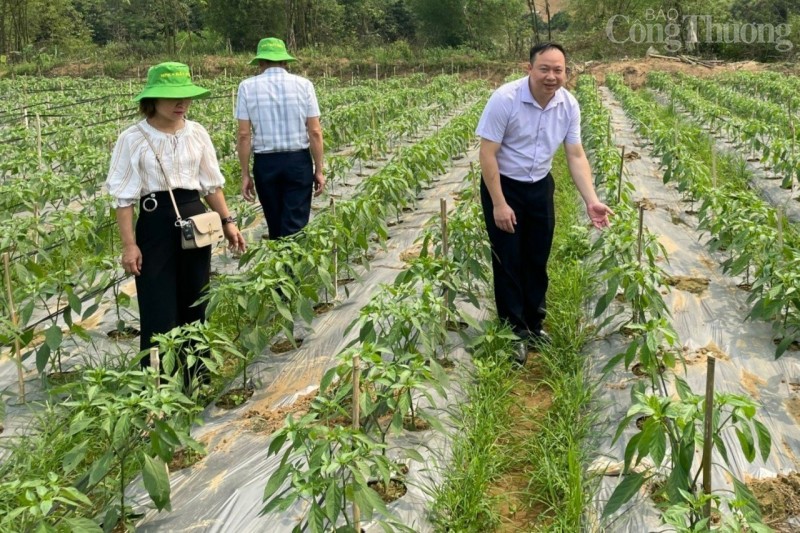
(230, 219)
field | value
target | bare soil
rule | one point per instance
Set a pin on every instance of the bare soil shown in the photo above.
(396, 489)
(701, 355)
(418, 424)
(127, 332)
(266, 421)
(752, 383)
(322, 308)
(184, 458)
(234, 398)
(285, 345)
(793, 407)
(779, 498)
(695, 285)
(635, 71)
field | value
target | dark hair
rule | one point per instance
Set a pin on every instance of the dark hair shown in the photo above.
(544, 47)
(147, 107)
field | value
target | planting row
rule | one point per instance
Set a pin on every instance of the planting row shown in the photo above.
(760, 245)
(670, 433)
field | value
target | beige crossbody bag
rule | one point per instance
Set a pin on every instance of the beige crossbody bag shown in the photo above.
(197, 231)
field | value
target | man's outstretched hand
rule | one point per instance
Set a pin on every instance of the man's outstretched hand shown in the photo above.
(598, 213)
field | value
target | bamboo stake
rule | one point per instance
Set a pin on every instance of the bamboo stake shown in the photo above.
(707, 428)
(15, 322)
(640, 233)
(25, 118)
(155, 362)
(335, 257)
(356, 425)
(443, 209)
(714, 166)
(376, 72)
(779, 217)
(445, 255)
(619, 181)
(39, 139)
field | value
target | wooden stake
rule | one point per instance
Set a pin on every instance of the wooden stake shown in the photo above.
(443, 209)
(15, 322)
(25, 117)
(707, 428)
(39, 139)
(376, 72)
(640, 234)
(619, 179)
(155, 362)
(335, 256)
(356, 425)
(714, 166)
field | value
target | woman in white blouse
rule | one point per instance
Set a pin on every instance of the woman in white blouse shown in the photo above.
(169, 279)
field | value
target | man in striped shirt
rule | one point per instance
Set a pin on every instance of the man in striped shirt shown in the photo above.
(278, 118)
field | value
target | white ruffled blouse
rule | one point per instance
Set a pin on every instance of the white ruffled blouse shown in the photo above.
(188, 157)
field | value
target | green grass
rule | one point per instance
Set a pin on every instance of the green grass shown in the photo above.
(544, 446)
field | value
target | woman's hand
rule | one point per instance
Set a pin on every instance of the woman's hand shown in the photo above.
(132, 259)
(235, 240)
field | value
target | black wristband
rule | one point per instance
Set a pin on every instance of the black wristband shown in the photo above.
(230, 219)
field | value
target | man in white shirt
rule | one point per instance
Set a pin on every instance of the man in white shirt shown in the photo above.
(522, 126)
(278, 118)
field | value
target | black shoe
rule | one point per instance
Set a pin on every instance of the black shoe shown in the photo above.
(520, 354)
(539, 338)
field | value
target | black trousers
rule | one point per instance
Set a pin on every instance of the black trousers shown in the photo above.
(519, 259)
(172, 279)
(284, 182)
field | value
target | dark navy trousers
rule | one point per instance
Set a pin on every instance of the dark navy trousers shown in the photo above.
(519, 259)
(284, 182)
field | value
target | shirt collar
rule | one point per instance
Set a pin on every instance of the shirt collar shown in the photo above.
(527, 96)
(274, 70)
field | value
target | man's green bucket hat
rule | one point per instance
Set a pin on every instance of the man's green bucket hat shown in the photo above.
(170, 80)
(271, 49)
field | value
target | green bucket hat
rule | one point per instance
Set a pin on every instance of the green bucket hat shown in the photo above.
(271, 49)
(170, 80)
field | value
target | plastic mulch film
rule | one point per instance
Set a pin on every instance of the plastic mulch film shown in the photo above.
(224, 491)
(708, 312)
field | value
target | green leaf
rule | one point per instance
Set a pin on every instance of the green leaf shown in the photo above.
(623, 493)
(156, 481)
(53, 337)
(659, 444)
(42, 357)
(82, 525)
(100, 468)
(74, 457)
(764, 439)
(277, 479)
(306, 310)
(746, 442)
(316, 518)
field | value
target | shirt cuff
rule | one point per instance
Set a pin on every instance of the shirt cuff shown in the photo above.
(123, 202)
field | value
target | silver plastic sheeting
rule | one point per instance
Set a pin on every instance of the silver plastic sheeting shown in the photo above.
(711, 322)
(224, 491)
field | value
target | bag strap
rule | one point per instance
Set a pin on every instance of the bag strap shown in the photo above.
(178, 222)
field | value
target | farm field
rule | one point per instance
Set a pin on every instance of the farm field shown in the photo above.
(385, 297)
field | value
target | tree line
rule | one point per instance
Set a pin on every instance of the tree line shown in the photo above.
(152, 26)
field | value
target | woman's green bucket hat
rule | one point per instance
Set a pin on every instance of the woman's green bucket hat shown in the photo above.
(170, 80)
(271, 49)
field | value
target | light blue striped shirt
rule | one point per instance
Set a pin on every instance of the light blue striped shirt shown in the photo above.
(277, 104)
(529, 135)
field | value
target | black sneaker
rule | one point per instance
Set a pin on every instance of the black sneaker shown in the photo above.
(539, 338)
(520, 354)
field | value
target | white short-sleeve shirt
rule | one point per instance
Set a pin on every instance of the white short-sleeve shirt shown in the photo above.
(529, 136)
(188, 156)
(277, 104)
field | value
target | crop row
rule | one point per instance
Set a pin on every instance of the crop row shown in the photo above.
(759, 244)
(761, 126)
(673, 416)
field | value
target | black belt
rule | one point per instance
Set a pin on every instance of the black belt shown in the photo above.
(160, 199)
(283, 152)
